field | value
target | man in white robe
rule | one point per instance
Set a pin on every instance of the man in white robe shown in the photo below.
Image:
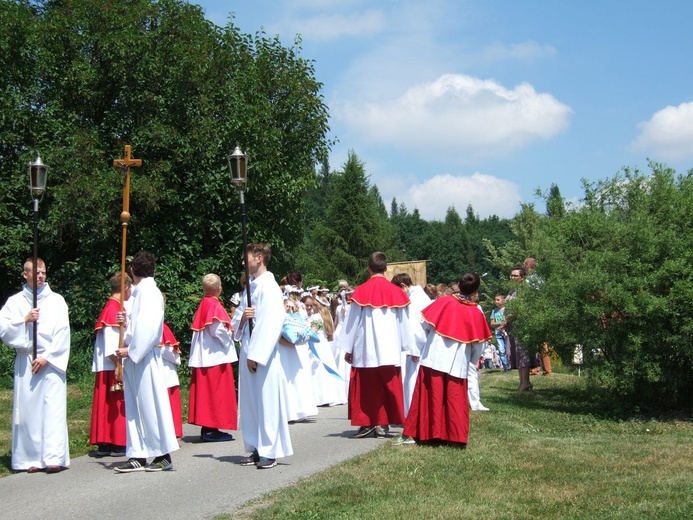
(150, 428)
(262, 384)
(39, 414)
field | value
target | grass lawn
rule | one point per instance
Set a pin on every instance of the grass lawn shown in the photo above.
(559, 451)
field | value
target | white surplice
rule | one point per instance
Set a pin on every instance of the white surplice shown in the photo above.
(262, 395)
(150, 429)
(410, 368)
(377, 336)
(39, 414)
(212, 346)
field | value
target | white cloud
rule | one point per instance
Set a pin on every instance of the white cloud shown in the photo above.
(459, 117)
(488, 196)
(668, 134)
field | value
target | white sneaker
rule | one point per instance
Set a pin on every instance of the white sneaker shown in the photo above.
(480, 408)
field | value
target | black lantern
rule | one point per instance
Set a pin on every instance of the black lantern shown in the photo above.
(238, 168)
(38, 174)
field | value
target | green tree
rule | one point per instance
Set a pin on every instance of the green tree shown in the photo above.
(356, 224)
(617, 278)
(555, 207)
(82, 78)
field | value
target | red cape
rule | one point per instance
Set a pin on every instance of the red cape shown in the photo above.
(108, 314)
(210, 309)
(457, 319)
(167, 338)
(379, 292)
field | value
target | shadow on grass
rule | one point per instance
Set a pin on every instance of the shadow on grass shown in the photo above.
(576, 397)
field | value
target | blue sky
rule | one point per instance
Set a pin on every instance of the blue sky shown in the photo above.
(452, 102)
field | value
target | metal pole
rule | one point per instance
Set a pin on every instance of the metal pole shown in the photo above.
(245, 258)
(35, 274)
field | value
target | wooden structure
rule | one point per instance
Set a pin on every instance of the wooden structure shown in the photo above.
(416, 270)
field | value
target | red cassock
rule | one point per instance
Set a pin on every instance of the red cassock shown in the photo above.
(440, 405)
(108, 407)
(375, 393)
(169, 340)
(212, 401)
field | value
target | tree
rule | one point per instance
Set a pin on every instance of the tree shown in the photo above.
(80, 79)
(617, 278)
(555, 207)
(356, 224)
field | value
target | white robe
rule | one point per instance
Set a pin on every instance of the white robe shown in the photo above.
(171, 360)
(449, 356)
(343, 368)
(410, 368)
(328, 388)
(39, 414)
(296, 364)
(150, 429)
(262, 395)
(376, 337)
(212, 346)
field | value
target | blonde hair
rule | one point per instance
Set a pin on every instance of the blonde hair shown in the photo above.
(211, 283)
(326, 319)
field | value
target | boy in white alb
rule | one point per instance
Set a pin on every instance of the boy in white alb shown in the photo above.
(264, 421)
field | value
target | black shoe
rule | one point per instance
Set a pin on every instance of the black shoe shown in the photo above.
(265, 463)
(131, 466)
(364, 431)
(103, 450)
(381, 431)
(216, 436)
(117, 451)
(251, 460)
(162, 463)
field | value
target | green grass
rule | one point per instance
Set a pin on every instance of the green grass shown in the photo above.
(79, 397)
(560, 451)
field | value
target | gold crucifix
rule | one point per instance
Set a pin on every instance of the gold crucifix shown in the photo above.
(125, 163)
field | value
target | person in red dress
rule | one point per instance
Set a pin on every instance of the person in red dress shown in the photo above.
(107, 430)
(212, 404)
(457, 329)
(376, 330)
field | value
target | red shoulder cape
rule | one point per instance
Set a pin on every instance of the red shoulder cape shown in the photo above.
(167, 338)
(210, 309)
(457, 319)
(379, 292)
(108, 314)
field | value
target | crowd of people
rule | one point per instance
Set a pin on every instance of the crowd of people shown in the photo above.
(393, 352)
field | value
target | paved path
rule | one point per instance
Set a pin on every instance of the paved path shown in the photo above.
(206, 480)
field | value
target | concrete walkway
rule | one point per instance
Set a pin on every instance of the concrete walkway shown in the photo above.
(206, 479)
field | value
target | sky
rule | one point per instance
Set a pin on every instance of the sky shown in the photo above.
(457, 102)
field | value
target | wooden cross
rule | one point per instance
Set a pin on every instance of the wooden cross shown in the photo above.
(125, 163)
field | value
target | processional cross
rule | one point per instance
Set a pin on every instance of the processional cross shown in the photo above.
(125, 164)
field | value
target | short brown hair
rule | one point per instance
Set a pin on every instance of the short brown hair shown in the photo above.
(115, 282)
(259, 248)
(377, 262)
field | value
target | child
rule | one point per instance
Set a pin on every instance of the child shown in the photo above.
(170, 353)
(295, 361)
(108, 405)
(212, 350)
(498, 324)
(440, 410)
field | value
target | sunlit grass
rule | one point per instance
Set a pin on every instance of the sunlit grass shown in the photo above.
(559, 451)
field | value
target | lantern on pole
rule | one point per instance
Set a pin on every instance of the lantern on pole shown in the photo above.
(238, 169)
(38, 175)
